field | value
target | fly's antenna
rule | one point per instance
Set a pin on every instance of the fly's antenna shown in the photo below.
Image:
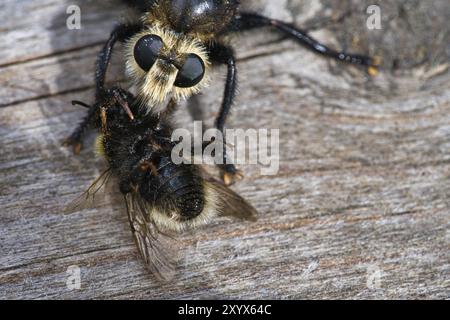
(80, 103)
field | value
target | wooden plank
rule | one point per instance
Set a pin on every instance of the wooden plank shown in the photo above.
(359, 209)
(40, 29)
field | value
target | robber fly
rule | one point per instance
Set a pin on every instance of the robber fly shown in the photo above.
(169, 51)
(161, 197)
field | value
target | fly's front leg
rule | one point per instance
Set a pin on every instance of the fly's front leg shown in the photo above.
(225, 55)
(246, 21)
(120, 33)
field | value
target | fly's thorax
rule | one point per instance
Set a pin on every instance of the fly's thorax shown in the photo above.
(164, 64)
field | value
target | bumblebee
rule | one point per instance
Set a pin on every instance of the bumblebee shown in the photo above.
(169, 51)
(161, 197)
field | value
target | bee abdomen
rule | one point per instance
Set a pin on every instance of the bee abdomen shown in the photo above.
(188, 195)
(182, 184)
(190, 202)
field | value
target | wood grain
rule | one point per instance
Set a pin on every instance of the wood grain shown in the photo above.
(359, 209)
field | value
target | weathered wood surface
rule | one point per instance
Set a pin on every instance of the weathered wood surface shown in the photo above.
(359, 209)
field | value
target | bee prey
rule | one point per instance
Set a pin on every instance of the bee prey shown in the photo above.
(161, 197)
(171, 47)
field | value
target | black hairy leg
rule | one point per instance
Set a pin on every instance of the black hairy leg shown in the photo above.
(120, 33)
(225, 55)
(246, 21)
(75, 140)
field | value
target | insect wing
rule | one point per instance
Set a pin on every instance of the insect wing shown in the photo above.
(158, 249)
(91, 196)
(231, 204)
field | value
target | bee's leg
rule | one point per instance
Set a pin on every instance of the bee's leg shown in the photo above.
(120, 33)
(225, 55)
(246, 21)
(75, 140)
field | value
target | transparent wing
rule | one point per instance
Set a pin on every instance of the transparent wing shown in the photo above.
(88, 198)
(159, 250)
(231, 204)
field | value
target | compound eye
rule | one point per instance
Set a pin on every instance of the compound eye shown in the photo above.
(191, 73)
(146, 51)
